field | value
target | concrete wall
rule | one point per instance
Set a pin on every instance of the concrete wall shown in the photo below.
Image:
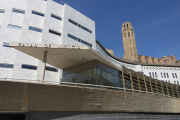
(16, 96)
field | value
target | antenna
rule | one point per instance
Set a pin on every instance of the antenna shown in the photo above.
(62, 2)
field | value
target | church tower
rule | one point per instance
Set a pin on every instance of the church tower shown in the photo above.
(129, 43)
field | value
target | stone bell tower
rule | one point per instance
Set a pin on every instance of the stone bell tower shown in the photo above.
(129, 43)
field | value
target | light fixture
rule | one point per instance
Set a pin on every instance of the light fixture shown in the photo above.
(80, 58)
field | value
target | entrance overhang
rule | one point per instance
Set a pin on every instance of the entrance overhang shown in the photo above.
(62, 56)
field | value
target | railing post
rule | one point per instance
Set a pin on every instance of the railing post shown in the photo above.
(167, 88)
(150, 84)
(156, 86)
(177, 90)
(145, 83)
(123, 77)
(172, 89)
(162, 87)
(131, 81)
(138, 83)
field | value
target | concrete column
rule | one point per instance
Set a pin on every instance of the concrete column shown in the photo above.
(162, 87)
(44, 66)
(131, 80)
(145, 83)
(138, 82)
(167, 88)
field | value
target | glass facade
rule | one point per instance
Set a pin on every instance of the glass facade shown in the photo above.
(99, 75)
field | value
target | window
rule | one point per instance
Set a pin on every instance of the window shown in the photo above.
(79, 40)
(54, 32)
(161, 75)
(125, 35)
(84, 28)
(38, 13)
(178, 82)
(128, 34)
(56, 17)
(5, 44)
(173, 75)
(164, 75)
(167, 75)
(18, 11)
(150, 74)
(127, 25)
(35, 29)
(174, 82)
(72, 37)
(165, 80)
(51, 69)
(2, 11)
(153, 74)
(29, 67)
(14, 27)
(124, 26)
(169, 81)
(6, 65)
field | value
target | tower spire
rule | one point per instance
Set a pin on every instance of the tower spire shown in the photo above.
(129, 43)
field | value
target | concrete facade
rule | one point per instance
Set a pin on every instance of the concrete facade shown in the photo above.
(19, 96)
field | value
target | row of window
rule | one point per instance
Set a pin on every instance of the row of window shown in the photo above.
(165, 75)
(77, 24)
(28, 67)
(34, 29)
(153, 74)
(79, 40)
(175, 82)
(33, 12)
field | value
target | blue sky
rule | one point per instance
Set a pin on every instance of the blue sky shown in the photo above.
(156, 24)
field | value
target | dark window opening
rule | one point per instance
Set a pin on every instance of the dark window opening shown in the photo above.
(56, 17)
(128, 34)
(54, 32)
(5, 44)
(18, 11)
(2, 11)
(35, 29)
(164, 75)
(6, 65)
(176, 75)
(51, 69)
(173, 75)
(84, 28)
(29, 67)
(37, 13)
(127, 25)
(167, 75)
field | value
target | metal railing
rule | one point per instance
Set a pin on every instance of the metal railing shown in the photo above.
(82, 85)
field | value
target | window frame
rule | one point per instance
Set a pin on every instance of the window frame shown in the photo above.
(16, 27)
(2, 10)
(2, 65)
(56, 17)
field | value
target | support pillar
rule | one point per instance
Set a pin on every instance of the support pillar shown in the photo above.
(150, 84)
(162, 87)
(156, 86)
(44, 66)
(123, 78)
(138, 83)
(131, 81)
(167, 88)
(172, 89)
(145, 83)
(177, 90)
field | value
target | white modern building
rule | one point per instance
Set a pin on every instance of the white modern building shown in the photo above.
(48, 22)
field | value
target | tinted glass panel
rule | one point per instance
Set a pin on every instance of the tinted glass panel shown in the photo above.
(84, 28)
(75, 38)
(14, 27)
(51, 69)
(6, 44)
(56, 17)
(84, 42)
(18, 11)
(6, 65)
(176, 75)
(29, 67)
(73, 22)
(54, 32)
(35, 29)
(2, 11)
(37, 13)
